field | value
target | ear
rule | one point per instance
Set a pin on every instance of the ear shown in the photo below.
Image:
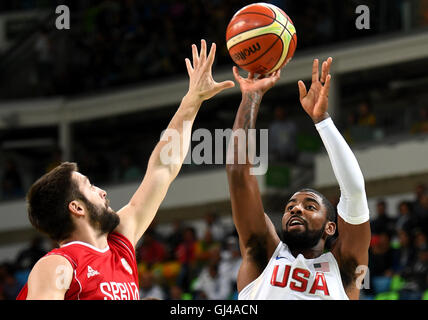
(76, 208)
(330, 228)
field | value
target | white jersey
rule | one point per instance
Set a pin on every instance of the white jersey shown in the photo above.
(290, 278)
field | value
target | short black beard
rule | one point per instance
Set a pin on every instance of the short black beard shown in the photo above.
(103, 219)
(299, 241)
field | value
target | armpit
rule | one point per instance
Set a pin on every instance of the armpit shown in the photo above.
(257, 251)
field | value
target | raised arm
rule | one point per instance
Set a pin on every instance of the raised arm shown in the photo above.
(257, 236)
(168, 156)
(351, 247)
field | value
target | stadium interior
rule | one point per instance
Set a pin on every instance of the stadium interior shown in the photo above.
(101, 93)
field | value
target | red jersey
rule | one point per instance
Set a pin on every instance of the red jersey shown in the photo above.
(108, 274)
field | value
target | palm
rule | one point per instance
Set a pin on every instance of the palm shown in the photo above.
(260, 84)
(315, 101)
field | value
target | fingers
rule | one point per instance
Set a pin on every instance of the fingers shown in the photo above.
(302, 90)
(195, 56)
(315, 71)
(326, 87)
(236, 73)
(189, 66)
(225, 85)
(199, 59)
(211, 55)
(325, 69)
(203, 54)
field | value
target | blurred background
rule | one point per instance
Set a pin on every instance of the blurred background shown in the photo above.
(101, 92)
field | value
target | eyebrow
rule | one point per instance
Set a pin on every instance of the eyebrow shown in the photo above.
(307, 199)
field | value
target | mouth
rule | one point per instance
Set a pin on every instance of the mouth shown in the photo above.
(295, 221)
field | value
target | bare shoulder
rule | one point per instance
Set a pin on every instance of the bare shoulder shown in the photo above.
(50, 278)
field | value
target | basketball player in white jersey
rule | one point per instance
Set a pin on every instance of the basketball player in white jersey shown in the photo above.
(299, 266)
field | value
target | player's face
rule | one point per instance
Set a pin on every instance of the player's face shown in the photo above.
(304, 220)
(101, 215)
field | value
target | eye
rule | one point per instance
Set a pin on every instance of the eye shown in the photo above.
(310, 207)
(289, 208)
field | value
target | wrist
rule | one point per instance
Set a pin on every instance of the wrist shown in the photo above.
(192, 99)
(255, 96)
(320, 118)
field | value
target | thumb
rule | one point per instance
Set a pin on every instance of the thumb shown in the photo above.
(302, 89)
(225, 85)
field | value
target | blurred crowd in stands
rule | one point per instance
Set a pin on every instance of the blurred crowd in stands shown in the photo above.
(398, 256)
(115, 43)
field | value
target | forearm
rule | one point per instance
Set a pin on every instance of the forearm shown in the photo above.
(244, 121)
(174, 144)
(352, 206)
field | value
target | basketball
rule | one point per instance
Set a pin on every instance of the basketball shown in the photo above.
(261, 38)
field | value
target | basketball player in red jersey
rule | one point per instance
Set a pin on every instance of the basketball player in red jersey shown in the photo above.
(96, 254)
(297, 266)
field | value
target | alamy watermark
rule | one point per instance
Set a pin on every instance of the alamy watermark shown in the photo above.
(210, 148)
(363, 20)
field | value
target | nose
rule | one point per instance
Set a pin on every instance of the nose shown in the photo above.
(102, 193)
(297, 209)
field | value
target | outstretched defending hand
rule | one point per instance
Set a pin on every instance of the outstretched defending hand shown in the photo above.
(202, 85)
(315, 102)
(261, 84)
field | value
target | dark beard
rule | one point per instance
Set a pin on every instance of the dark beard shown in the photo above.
(302, 240)
(103, 219)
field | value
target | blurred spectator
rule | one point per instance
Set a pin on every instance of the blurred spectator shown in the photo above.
(175, 293)
(11, 181)
(420, 207)
(151, 250)
(405, 255)
(416, 277)
(205, 245)
(406, 220)
(365, 117)
(282, 137)
(211, 284)
(365, 122)
(382, 222)
(214, 226)
(175, 237)
(149, 288)
(186, 254)
(381, 262)
(420, 240)
(231, 262)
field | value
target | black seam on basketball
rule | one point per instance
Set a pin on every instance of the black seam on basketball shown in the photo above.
(262, 14)
(288, 33)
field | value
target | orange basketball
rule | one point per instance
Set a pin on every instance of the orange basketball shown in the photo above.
(261, 38)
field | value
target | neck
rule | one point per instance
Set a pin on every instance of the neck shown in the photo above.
(309, 253)
(90, 236)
